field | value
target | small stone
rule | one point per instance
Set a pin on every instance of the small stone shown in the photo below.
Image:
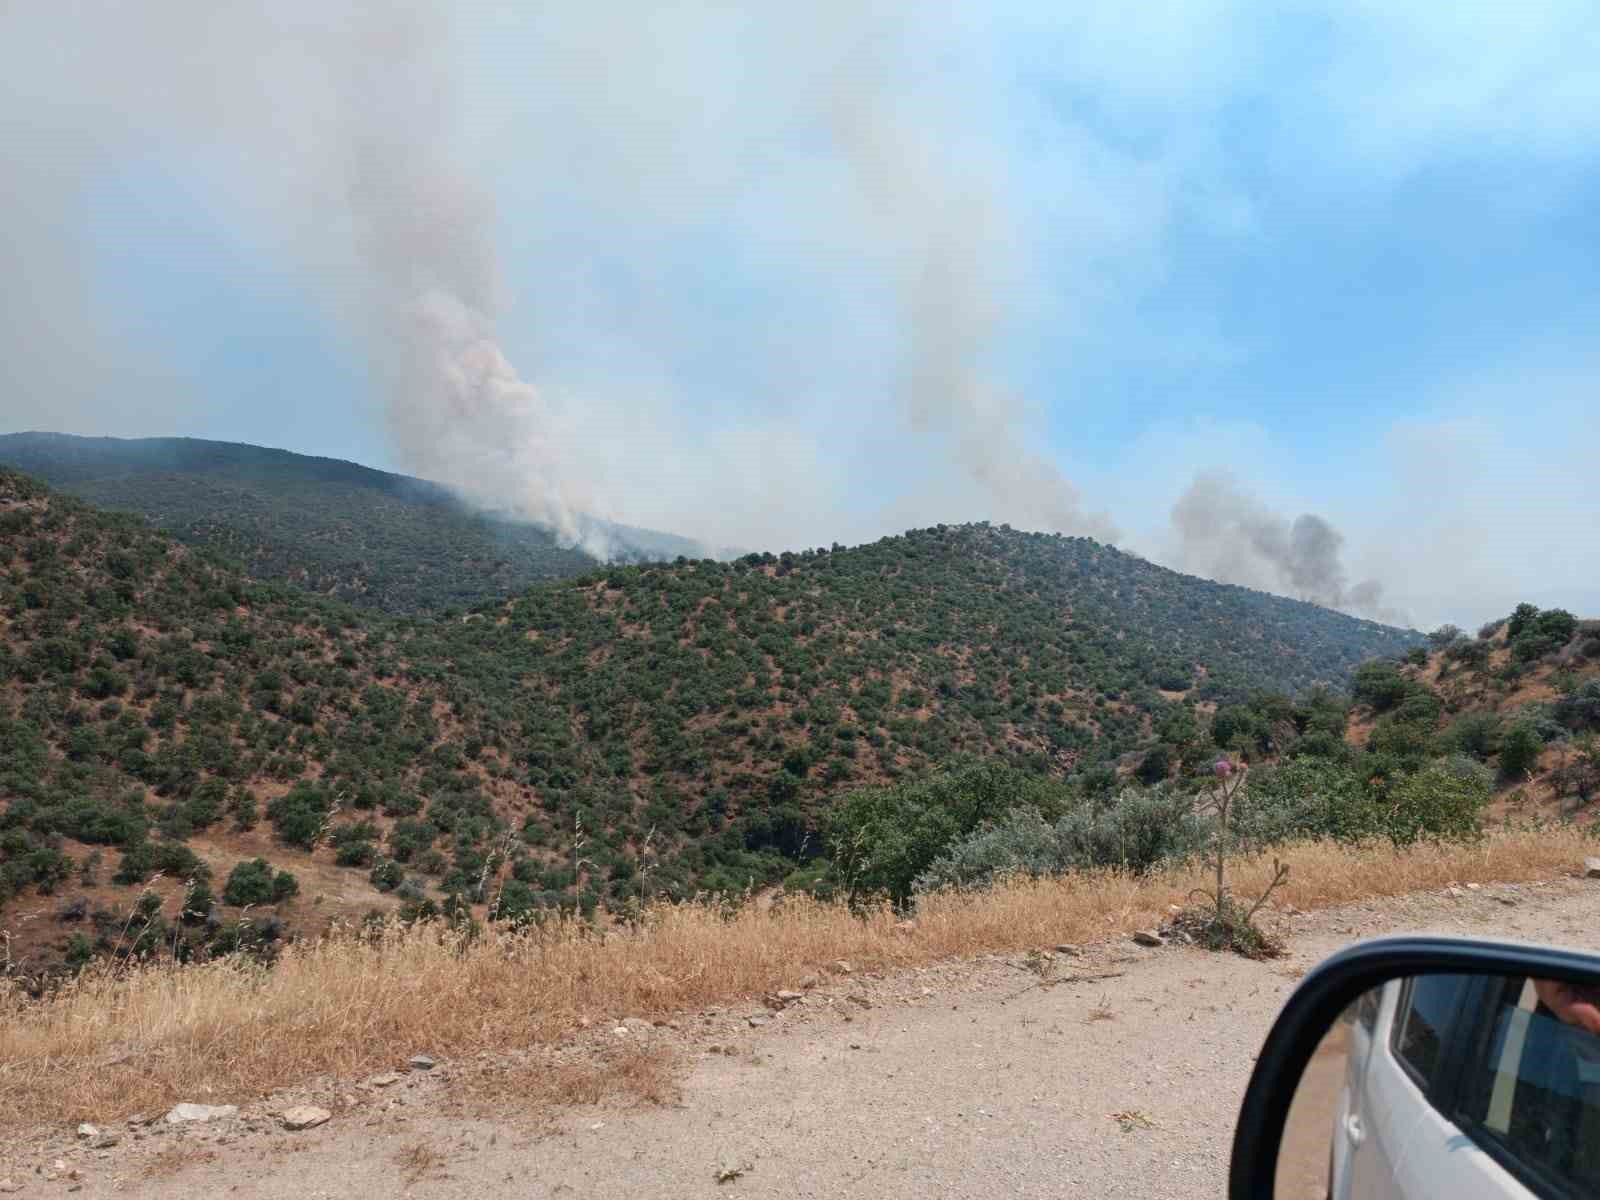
(637, 1025)
(1472, 887)
(809, 981)
(843, 967)
(186, 1114)
(105, 1141)
(756, 1022)
(1146, 937)
(387, 1079)
(1591, 868)
(1454, 892)
(1069, 950)
(420, 1062)
(10, 1185)
(88, 1132)
(789, 997)
(303, 1116)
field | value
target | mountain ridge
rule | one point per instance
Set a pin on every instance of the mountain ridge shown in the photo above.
(372, 538)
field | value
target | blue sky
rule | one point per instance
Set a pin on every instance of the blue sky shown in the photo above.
(784, 277)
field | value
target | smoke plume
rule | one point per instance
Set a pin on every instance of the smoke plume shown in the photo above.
(1229, 535)
(345, 128)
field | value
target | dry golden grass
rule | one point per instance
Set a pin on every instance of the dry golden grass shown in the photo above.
(109, 1045)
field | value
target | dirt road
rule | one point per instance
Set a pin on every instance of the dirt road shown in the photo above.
(1113, 1072)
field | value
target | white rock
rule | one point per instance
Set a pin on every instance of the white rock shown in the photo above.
(184, 1114)
(1146, 937)
(420, 1062)
(88, 1132)
(1591, 867)
(387, 1079)
(10, 1185)
(303, 1116)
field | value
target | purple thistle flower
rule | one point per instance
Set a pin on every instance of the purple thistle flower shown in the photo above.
(1222, 768)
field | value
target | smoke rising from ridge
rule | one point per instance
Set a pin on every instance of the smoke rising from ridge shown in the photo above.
(342, 126)
(1227, 534)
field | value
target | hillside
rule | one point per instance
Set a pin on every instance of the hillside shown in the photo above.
(633, 731)
(1522, 697)
(373, 539)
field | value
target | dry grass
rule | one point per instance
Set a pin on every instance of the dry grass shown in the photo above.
(107, 1046)
(418, 1160)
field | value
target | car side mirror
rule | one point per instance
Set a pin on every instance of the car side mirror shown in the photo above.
(1417, 1066)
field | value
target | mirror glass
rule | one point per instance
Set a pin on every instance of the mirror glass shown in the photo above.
(1451, 1085)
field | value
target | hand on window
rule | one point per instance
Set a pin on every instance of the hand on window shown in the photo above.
(1572, 1003)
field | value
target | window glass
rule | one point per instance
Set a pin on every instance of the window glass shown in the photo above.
(1536, 1094)
(1426, 1007)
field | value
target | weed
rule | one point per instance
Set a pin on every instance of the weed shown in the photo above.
(1131, 1119)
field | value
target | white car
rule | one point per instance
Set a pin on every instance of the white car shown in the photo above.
(1462, 1085)
(1443, 1069)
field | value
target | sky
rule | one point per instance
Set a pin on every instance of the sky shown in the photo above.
(1297, 295)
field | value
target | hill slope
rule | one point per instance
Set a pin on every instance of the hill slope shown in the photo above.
(630, 731)
(368, 537)
(1522, 697)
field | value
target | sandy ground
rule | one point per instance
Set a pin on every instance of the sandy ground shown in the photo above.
(1115, 1071)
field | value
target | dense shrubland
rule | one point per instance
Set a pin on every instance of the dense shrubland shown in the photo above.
(834, 719)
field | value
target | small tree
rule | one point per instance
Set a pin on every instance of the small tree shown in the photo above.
(249, 883)
(1520, 748)
(1228, 925)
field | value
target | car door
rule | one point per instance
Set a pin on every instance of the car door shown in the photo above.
(1400, 1065)
(1350, 1151)
(1418, 1076)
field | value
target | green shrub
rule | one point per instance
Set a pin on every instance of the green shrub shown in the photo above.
(1307, 798)
(387, 876)
(253, 882)
(1477, 734)
(1380, 684)
(1445, 799)
(1156, 764)
(1138, 830)
(883, 838)
(1520, 748)
(300, 814)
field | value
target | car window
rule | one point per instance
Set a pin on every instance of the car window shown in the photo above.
(1427, 1005)
(1535, 1098)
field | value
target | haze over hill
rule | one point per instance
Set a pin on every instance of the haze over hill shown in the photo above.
(372, 538)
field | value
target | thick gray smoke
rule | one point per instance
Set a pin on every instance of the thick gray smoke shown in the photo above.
(1227, 534)
(344, 126)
